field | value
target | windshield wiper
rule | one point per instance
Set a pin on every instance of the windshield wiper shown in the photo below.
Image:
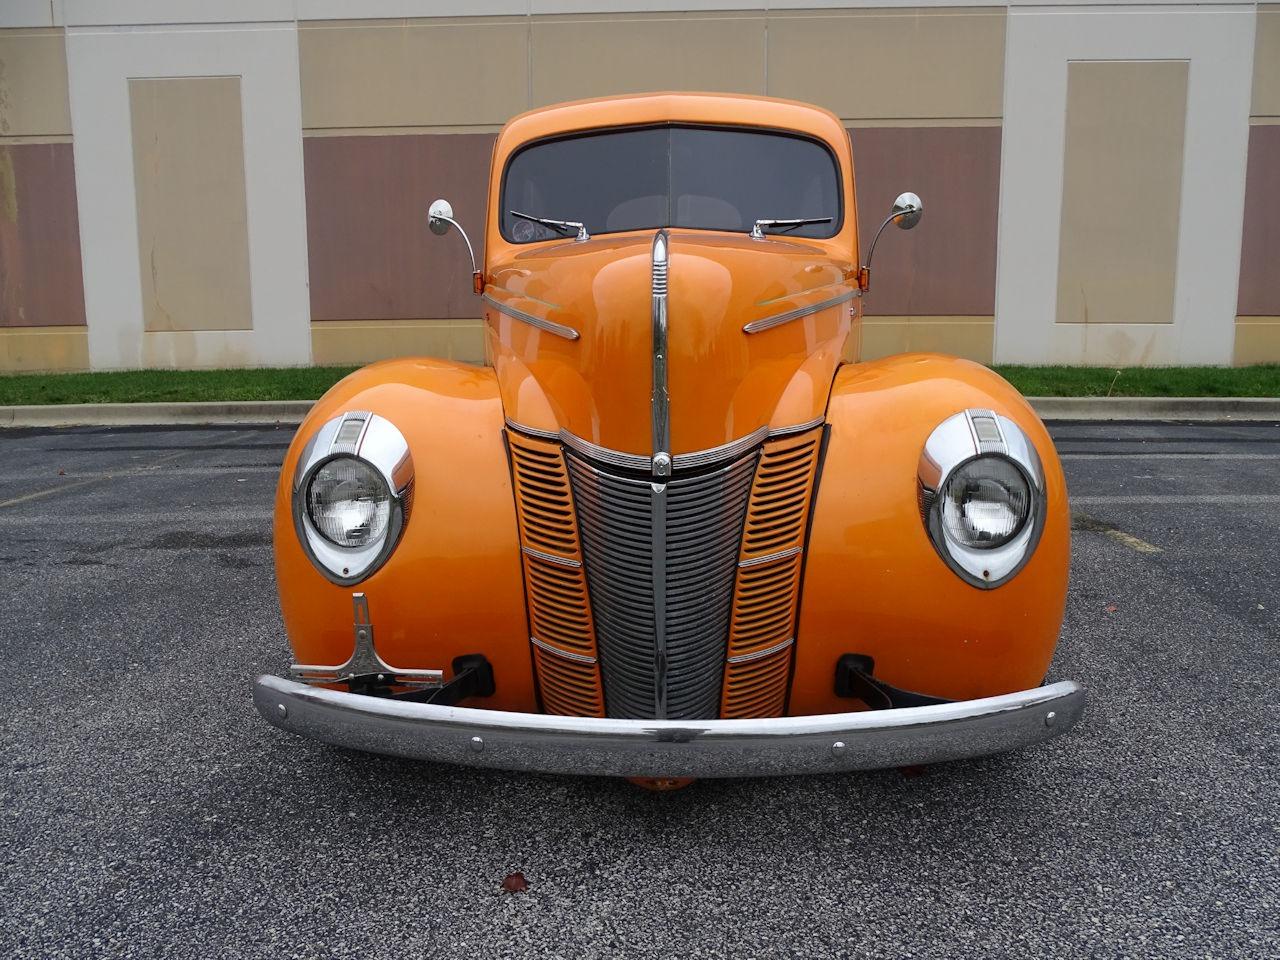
(757, 232)
(564, 227)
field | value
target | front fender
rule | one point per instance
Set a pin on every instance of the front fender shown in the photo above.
(873, 582)
(454, 584)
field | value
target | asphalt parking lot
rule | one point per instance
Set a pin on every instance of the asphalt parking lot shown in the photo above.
(146, 810)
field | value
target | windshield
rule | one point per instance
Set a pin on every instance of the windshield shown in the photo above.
(698, 178)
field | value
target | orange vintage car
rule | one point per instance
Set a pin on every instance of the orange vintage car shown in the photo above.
(669, 532)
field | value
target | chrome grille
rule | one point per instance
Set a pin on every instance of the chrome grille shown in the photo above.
(662, 652)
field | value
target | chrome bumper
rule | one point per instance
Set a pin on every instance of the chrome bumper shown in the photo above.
(825, 743)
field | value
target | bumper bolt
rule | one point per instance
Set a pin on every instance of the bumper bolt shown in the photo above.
(838, 749)
(1049, 718)
(282, 710)
(477, 744)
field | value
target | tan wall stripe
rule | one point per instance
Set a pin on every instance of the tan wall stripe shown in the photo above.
(574, 58)
(338, 342)
(1266, 62)
(1122, 191)
(193, 238)
(1257, 340)
(968, 337)
(871, 64)
(414, 73)
(39, 349)
(33, 84)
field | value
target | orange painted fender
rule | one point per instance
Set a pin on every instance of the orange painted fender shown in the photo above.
(454, 584)
(875, 585)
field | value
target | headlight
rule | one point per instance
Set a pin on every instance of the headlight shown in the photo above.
(986, 504)
(351, 495)
(348, 501)
(981, 494)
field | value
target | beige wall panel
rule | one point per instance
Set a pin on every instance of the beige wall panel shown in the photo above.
(339, 342)
(1266, 62)
(32, 349)
(33, 84)
(408, 73)
(575, 58)
(193, 239)
(968, 337)
(1257, 340)
(1121, 191)
(936, 62)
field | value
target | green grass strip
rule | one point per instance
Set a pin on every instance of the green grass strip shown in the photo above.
(158, 386)
(308, 383)
(1258, 381)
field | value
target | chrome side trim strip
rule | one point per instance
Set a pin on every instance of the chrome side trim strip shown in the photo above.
(551, 558)
(726, 451)
(760, 654)
(681, 461)
(768, 323)
(769, 558)
(615, 458)
(556, 651)
(797, 428)
(543, 743)
(550, 326)
(532, 431)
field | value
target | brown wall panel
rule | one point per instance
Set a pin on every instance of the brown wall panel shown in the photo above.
(1260, 254)
(946, 266)
(40, 279)
(371, 255)
(373, 258)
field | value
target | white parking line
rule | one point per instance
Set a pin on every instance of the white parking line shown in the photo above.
(194, 515)
(1170, 456)
(141, 468)
(1175, 498)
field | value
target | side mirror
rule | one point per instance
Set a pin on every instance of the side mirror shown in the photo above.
(440, 216)
(906, 213)
(439, 220)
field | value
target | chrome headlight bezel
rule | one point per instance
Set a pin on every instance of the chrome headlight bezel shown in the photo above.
(960, 440)
(368, 437)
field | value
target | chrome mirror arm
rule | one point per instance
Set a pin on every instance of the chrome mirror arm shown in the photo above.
(907, 211)
(439, 220)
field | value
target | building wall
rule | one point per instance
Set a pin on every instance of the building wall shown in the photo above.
(245, 183)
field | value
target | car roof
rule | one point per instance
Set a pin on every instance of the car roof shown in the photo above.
(671, 107)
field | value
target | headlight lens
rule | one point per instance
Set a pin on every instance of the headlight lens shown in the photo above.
(986, 503)
(348, 502)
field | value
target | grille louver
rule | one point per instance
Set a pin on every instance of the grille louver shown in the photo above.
(560, 624)
(767, 591)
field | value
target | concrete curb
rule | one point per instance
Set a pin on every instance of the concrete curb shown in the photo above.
(283, 412)
(1157, 408)
(290, 412)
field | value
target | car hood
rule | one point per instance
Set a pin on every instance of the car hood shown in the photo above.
(592, 376)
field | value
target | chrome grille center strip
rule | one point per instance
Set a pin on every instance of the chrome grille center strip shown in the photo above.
(660, 399)
(661, 561)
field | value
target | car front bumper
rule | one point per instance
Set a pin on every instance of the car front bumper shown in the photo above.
(824, 743)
